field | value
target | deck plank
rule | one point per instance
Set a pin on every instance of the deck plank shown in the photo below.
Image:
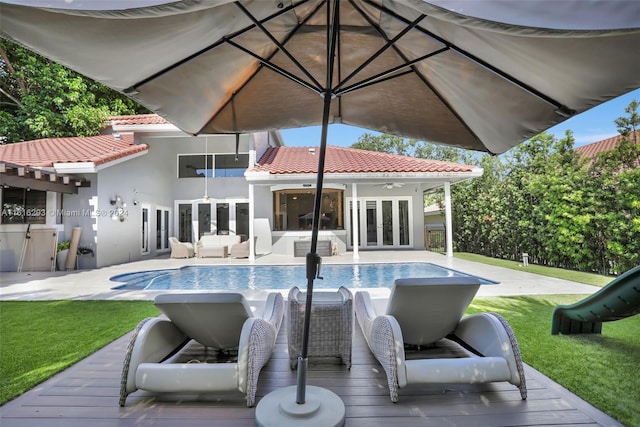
(87, 394)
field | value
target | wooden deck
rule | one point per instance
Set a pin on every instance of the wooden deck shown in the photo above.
(87, 395)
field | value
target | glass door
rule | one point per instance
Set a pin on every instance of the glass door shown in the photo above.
(185, 224)
(222, 218)
(145, 230)
(384, 223)
(204, 219)
(371, 221)
(162, 229)
(242, 219)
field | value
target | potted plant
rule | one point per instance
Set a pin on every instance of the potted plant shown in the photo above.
(62, 255)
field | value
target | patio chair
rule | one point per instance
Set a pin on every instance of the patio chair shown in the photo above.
(242, 249)
(423, 337)
(181, 249)
(166, 354)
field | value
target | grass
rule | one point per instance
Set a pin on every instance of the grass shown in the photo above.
(41, 338)
(574, 276)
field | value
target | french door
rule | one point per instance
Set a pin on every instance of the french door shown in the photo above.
(382, 222)
(228, 216)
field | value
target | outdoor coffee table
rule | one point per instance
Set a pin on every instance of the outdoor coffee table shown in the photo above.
(212, 251)
(331, 327)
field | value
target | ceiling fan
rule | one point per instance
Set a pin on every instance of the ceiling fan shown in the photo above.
(391, 185)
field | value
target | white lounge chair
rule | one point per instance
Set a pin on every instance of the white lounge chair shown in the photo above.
(181, 249)
(428, 312)
(222, 322)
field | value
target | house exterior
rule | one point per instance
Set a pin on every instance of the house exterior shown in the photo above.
(144, 180)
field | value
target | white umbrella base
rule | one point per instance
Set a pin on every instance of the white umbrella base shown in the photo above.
(321, 408)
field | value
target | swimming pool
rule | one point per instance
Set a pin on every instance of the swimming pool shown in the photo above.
(259, 277)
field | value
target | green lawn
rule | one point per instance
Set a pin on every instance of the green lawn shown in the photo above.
(41, 338)
(574, 276)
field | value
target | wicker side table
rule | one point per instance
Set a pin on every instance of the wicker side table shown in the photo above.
(331, 328)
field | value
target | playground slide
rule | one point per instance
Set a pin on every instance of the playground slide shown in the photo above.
(617, 300)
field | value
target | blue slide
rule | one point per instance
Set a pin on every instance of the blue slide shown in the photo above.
(618, 299)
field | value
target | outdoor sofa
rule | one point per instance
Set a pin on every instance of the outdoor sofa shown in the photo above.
(216, 245)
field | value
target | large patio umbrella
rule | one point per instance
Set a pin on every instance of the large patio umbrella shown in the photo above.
(483, 75)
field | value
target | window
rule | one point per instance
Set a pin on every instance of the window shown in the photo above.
(195, 165)
(212, 165)
(227, 165)
(293, 209)
(24, 206)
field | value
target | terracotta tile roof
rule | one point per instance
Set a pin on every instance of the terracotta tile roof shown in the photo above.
(139, 119)
(300, 160)
(591, 150)
(45, 152)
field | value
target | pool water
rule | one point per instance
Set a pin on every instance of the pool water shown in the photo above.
(260, 277)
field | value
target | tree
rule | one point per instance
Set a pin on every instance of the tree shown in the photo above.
(614, 180)
(42, 99)
(385, 144)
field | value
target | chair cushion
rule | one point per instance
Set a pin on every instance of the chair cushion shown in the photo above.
(428, 309)
(213, 319)
(185, 377)
(466, 370)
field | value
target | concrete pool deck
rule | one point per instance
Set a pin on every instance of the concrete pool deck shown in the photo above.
(96, 283)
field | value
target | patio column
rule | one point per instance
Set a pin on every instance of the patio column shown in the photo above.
(354, 217)
(252, 214)
(447, 218)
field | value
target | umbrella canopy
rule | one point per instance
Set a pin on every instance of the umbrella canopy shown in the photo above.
(480, 75)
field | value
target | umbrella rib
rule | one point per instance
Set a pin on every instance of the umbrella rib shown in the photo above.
(417, 73)
(385, 75)
(561, 108)
(276, 68)
(380, 51)
(279, 45)
(133, 88)
(370, 81)
(317, 90)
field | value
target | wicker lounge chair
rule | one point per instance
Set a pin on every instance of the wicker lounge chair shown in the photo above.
(425, 315)
(222, 322)
(181, 249)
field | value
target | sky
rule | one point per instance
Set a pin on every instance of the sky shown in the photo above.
(593, 125)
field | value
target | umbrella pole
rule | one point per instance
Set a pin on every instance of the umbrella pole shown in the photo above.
(302, 405)
(322, 407)
(313, 260)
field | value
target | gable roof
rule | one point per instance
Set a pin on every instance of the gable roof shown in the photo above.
(339, 160)
(591, 150)
(48, 152)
